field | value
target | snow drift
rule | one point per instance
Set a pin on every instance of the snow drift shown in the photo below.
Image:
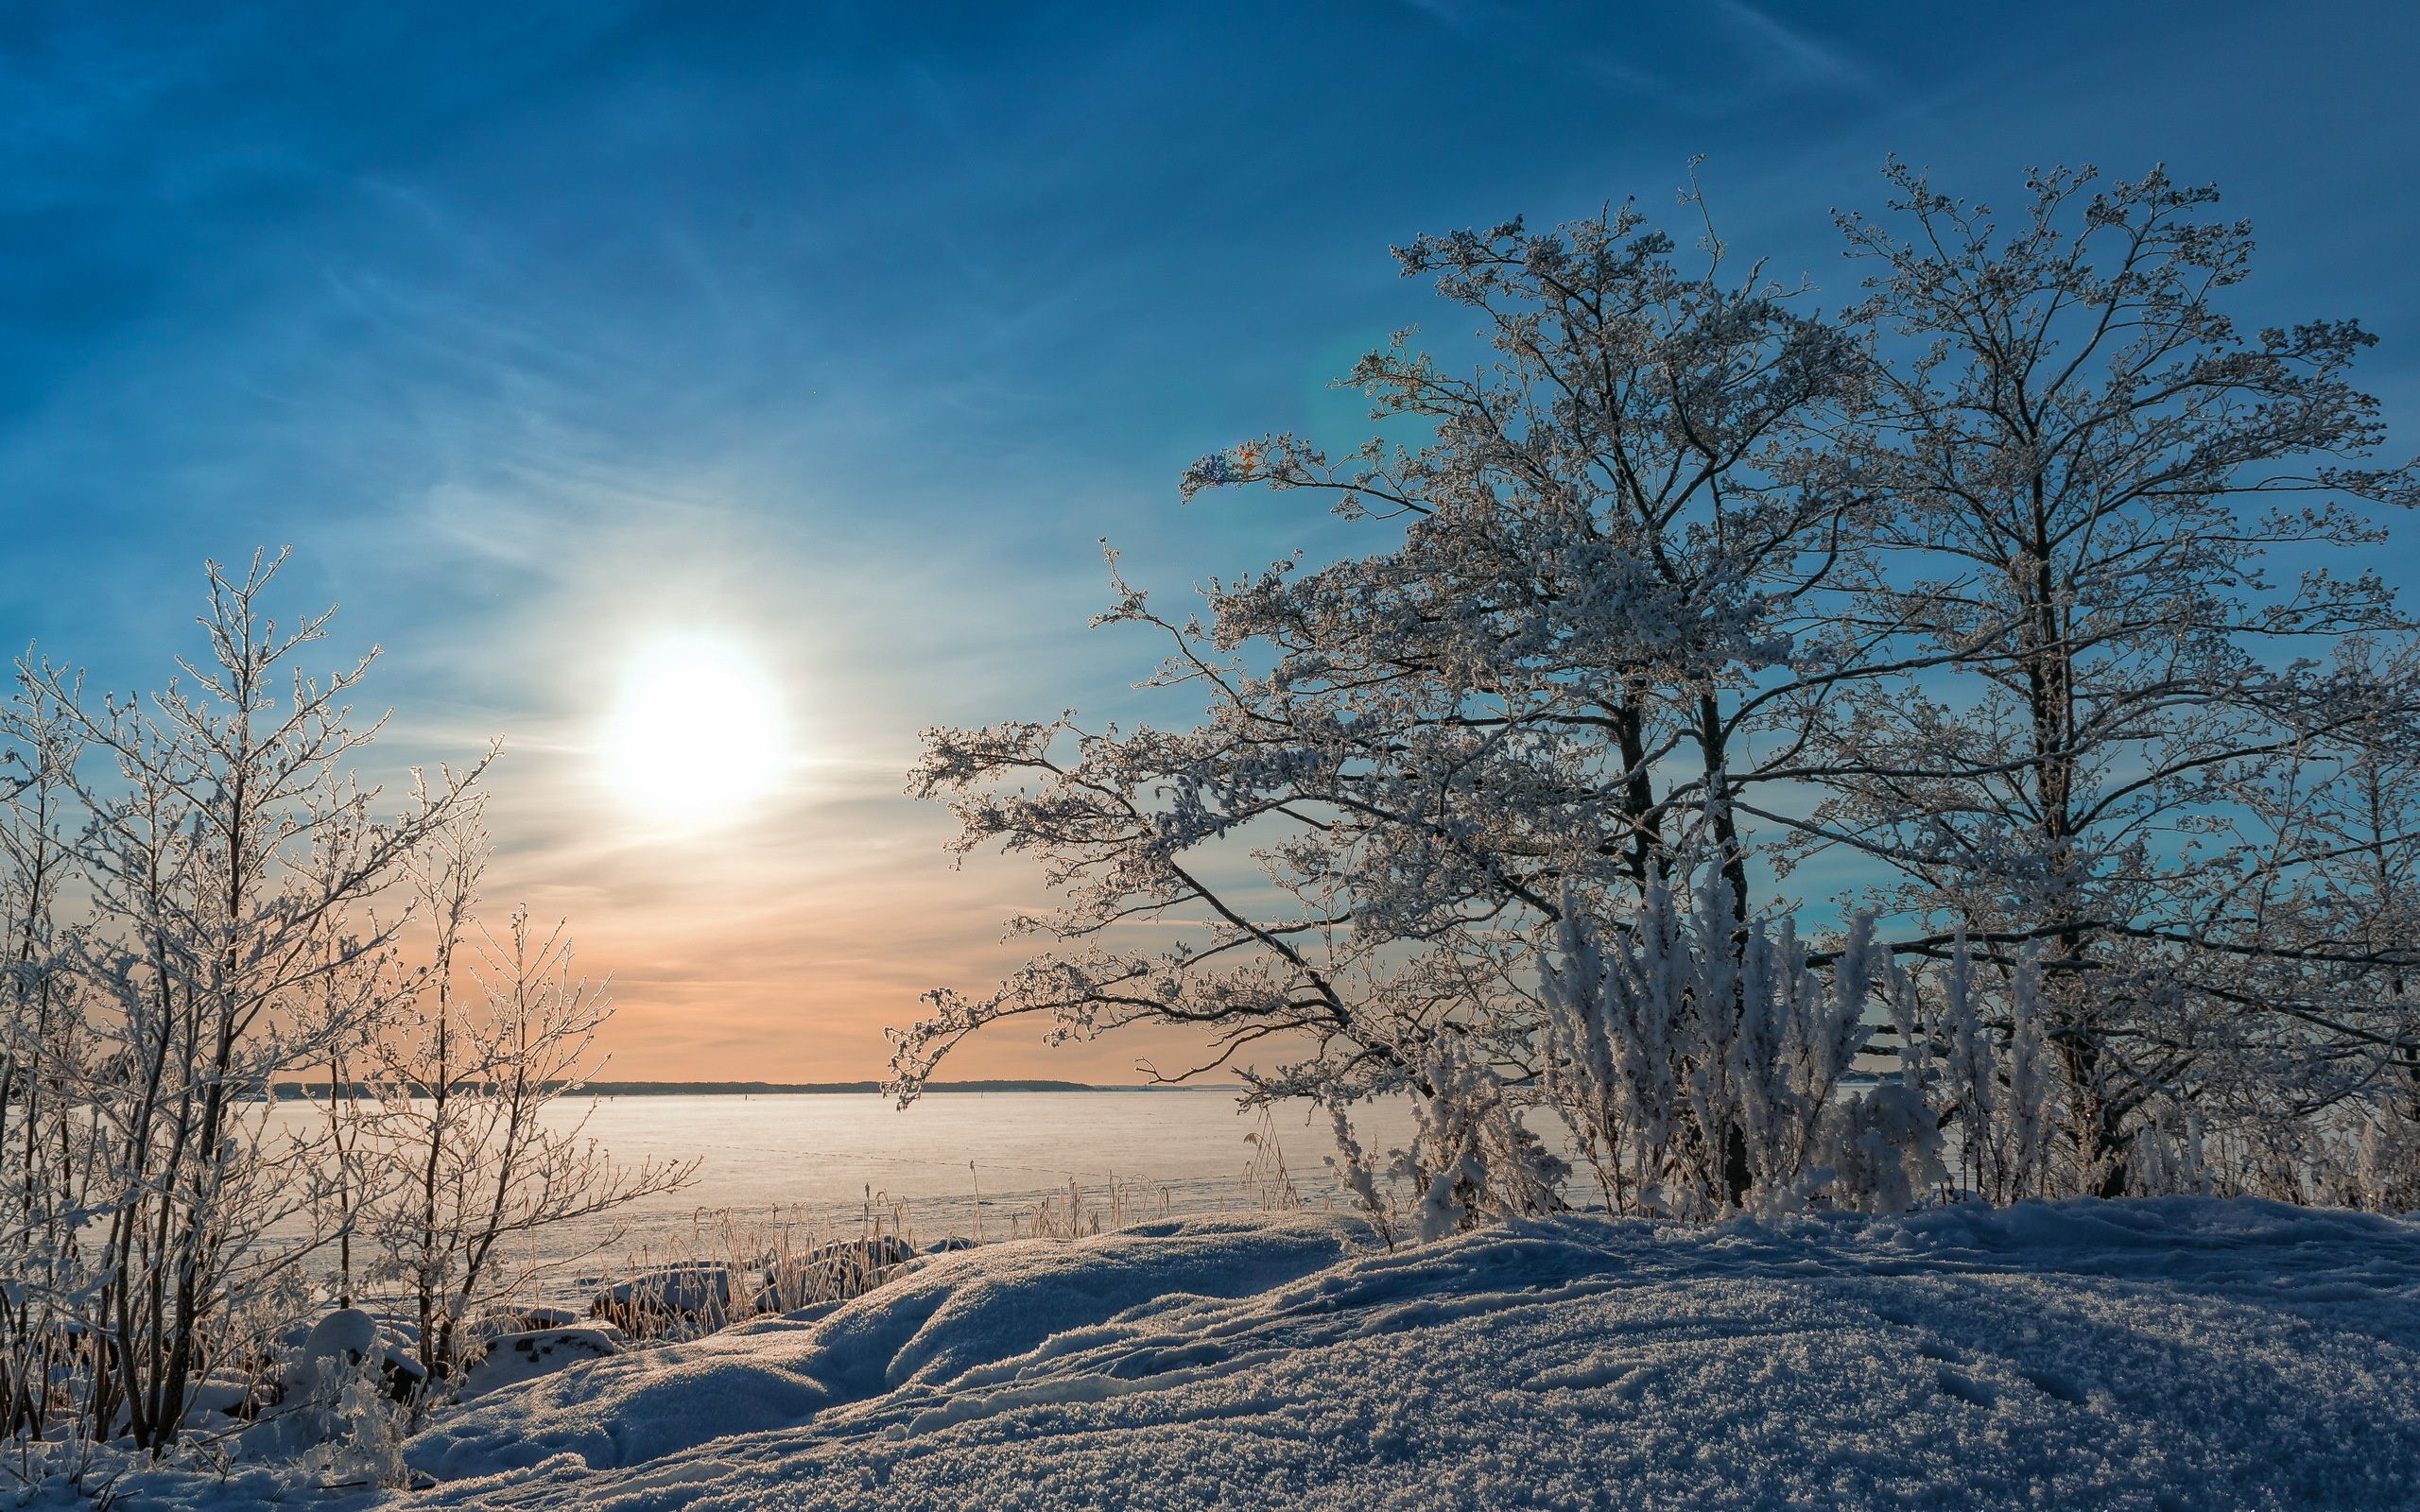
(918, 1340)
(2155, 1354)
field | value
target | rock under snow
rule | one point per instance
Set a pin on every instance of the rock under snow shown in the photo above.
(513, 1358)
(337, 1342)
(701, 1291)
(964, 1310)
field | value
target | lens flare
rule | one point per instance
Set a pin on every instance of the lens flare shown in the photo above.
(697, 735)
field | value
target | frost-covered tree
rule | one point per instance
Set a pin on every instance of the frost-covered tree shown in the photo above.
(468, 1159)
(197, 897)
(1960, 592)
(2147, 759)
(228, 862)
(1579, 646)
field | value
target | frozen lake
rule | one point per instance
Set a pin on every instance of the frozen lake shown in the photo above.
(827, 1161)
(841, 1151)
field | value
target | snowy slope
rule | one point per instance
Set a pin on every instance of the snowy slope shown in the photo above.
(2168, 1354)
(916, 1340)
(2177, 1353)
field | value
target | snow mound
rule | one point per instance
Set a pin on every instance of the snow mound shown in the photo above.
(963, 1310)
(2149, 1354)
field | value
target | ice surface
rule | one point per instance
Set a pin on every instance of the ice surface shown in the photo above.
(2158, 1355)
(815, 1157)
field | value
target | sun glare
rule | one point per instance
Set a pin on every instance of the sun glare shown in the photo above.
(697, 735)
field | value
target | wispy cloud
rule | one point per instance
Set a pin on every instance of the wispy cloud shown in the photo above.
(1786, 53)
(541, 332)
(1457, 15)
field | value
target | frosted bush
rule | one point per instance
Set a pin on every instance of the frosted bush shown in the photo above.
(2387, 1142)
(1999, 1095)
(1695, 1074)
(360, 1427)
(1355, 1179)
(2167, 1159)
(1471, 1159)
(1885, 1150)
(338, 1423)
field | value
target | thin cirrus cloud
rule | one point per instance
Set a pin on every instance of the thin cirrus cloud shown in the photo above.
(558, 339)
(1786, 52)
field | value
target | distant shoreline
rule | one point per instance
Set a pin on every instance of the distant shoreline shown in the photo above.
(295, 1091)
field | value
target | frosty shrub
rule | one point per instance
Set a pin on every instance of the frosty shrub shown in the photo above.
(1683, 585)
(1695, 1072)
(1472, 1159)
(337, 1408)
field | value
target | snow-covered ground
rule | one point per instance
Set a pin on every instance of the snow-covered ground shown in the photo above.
(2166, 1354)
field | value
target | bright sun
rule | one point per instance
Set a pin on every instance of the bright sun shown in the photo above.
(697, 735)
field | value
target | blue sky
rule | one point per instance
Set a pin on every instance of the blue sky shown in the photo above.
(541, 332)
